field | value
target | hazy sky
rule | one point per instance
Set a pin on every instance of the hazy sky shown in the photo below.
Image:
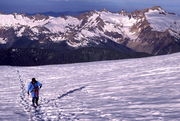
(32, 6)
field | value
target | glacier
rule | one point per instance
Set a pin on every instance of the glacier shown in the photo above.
(120, 90)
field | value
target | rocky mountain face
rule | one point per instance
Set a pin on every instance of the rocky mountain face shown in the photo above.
(92, 36)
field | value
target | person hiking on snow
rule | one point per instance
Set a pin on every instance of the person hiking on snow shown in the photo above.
(33, 88)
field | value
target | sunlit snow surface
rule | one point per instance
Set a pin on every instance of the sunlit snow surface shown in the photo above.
(128, 90)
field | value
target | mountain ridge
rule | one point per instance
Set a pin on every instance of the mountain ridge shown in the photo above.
(152, 31)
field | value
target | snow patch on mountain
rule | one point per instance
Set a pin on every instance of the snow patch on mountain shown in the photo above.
(20, 32)
(61, 24)
(93, 17)
(119, 23)
(2, 41)
(86, 33)
(35, 30)
(57, 38)
(77, 44)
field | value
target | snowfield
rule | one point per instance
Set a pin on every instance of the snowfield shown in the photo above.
(123, 90)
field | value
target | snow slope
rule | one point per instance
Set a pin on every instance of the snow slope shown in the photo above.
(128, 90)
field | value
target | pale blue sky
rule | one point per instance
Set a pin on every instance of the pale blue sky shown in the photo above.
(32, 6)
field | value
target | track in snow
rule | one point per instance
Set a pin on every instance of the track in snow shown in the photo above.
(135, 89)
(37, 114)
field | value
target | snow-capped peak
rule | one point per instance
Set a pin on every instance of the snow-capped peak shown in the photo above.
(94, 26)
(13, 20)
(162, 21)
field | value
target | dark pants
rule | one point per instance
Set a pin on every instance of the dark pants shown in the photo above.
(35, 100)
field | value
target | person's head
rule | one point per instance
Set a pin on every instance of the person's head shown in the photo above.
(33, 80)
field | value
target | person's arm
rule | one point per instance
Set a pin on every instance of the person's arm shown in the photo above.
(29, 88)
(39, 84)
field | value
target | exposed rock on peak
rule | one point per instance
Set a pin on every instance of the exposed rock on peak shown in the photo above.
(40, 17)
(157, 8)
